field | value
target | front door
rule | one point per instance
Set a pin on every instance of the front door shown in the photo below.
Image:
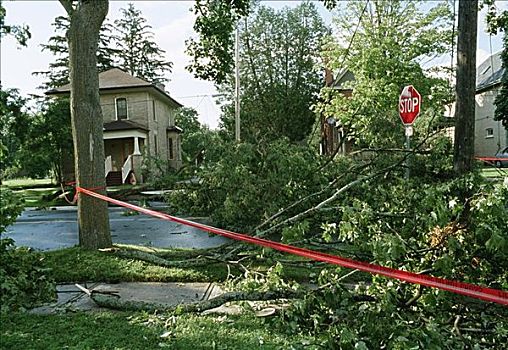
(119, 150)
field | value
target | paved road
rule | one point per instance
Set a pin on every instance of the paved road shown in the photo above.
(55, 229)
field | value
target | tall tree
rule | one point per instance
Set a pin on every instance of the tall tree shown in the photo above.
(86, 18)
(278, 55)
(383, 45)
(466, 86)
(58, 72)
(14, 123)
(48, 144)
(138, 54)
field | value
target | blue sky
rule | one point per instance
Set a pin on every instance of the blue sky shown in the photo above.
(172, 23)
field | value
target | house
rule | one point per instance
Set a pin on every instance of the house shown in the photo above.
(334, 138)
(490, 135)
(139, 122)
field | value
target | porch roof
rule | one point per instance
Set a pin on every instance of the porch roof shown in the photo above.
(123, 125)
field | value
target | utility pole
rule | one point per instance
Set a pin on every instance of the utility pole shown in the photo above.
(463, 154)
(237, 85)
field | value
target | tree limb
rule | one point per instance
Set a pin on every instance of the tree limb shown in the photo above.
(112, 301)
(156, 260)
(323, 203)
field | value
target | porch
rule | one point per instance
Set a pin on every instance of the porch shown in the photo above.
(123, 156)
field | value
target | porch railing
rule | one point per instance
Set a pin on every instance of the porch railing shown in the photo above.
(126, 168)
(108, 165)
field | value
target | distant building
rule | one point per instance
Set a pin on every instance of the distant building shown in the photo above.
(139, 121)
(490, 135)
(334, 138)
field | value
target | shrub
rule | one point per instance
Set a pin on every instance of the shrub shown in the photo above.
(23, 282)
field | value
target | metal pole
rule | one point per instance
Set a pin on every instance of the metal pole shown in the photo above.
(409, 133)
(237, 85)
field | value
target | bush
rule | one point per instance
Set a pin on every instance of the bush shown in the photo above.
(23, 282)
(251, 182)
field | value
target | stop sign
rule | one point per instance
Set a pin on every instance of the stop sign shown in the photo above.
(409, 104)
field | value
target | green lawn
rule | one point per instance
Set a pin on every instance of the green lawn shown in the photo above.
(127, 330)
(73, 265)
(119, 330)
(28, 183)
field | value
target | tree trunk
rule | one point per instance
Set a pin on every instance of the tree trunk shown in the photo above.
(86, 18)
(466, 86)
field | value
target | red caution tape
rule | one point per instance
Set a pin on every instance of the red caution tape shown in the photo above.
(471, 290)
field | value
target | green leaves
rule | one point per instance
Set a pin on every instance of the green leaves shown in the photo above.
(390, 44)
(136, 51)
(279, 52)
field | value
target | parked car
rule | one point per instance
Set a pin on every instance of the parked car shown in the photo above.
(503, 154)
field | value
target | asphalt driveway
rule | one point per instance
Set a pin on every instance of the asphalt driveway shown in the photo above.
(56, 229)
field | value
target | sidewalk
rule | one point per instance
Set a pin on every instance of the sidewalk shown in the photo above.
(71, 298)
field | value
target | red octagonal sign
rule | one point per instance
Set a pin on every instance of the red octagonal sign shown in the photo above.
(409, 104)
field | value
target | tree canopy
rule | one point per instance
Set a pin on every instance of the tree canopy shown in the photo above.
(384, 48)
(137, 52)
(279, 54)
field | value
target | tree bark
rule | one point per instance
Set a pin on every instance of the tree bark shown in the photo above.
(466, 86)
(86, 18)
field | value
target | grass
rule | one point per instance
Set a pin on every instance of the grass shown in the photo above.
(125, 330)
(28, 183)
(119, 330)
(78, 265)
(492, 172)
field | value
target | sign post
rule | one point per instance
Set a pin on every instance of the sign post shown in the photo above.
(410, 101)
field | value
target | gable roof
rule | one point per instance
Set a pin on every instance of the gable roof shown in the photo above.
(115, 78)
(489, 73)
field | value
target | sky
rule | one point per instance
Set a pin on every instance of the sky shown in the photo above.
(171, 23)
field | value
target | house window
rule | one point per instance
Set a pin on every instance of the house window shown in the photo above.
(121, 108)
(153, 109)
(156, 146)
(170, 148)
(489, 133)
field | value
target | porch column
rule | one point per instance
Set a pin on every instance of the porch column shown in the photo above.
(136, 146)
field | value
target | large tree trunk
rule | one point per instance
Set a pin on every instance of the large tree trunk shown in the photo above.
(86, 18)
(466, 86)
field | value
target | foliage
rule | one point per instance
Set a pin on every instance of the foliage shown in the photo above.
(50, 134)
(137, 52)
(23, 281)
(249, 182)
(454, 229)
(58, 72)
(339, 319)
(10, 208)
(387, 49)
(14, 124)
(20, 32)
(278, 55)
(212, 52)
(198, 141)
